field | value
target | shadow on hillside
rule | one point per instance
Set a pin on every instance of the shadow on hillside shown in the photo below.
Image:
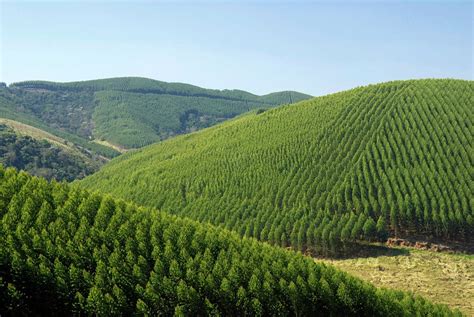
(397, 247)
(457, 246)
(372, 251)
(366, 251)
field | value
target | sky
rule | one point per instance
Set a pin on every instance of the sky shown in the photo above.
(259, 46)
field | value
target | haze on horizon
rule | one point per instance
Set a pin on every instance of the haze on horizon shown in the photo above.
(261, 47)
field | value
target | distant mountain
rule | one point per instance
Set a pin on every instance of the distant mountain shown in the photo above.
(110, 115)
(100, 119)
(387, 159)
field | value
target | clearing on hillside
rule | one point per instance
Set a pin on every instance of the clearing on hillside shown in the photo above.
(442, 277)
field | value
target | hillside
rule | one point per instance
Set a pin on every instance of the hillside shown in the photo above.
(393, 158)
(43, 154)
(14, 109)
(67, 251)
(128, 112)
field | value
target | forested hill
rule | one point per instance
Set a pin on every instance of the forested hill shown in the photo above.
(146, 85)
(387, 159)
(128, 112)
(42, 157)
(66, 251)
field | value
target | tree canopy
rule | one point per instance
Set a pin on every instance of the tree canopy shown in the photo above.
(43, 158)
(129, 112)
(67, 251)
(392, 158)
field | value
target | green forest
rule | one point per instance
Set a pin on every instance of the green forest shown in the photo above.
(68, 251)
(13, 108)
(42, 158)
(128, 112)
(300, 158)
(320, 175)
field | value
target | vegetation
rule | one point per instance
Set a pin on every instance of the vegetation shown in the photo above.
(63, 110)
(156, 117)
(42, 158)
(440, 277)
(103, 118)
(65, 250)
(323, 174)
(150, 86)
(130, 112)
(11, 109)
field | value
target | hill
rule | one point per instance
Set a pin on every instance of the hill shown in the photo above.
(128, 112)
(13, 108)
(393, 158)
(67, 251)
(42, 154)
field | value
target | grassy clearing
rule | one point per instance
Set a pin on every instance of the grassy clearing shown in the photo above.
(441, 277)
(39, 134)
(25, 129)
(110, 145)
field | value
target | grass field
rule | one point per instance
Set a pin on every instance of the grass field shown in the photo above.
(441, 277)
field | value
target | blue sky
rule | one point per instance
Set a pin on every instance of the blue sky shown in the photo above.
(313, 47)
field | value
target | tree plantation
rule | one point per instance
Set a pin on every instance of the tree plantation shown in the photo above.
(122, 195)
(387, 159)
(129, 112)
(67, 251)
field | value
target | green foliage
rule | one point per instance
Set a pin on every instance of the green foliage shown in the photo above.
(62, 110)
(150, 86)
(12, 108)
(310, 175)
(154, 117)
(132, 112)
(42, 158)
(91, 255)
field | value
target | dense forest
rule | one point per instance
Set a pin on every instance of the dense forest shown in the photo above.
(67, 251)
(393, 158)
(42, 158)
(127, 112)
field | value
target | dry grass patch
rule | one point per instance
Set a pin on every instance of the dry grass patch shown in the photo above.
(442, 277)
(110, 145)
(35, 133)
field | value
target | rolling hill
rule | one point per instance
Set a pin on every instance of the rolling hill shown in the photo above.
(126, 112)
(389, 159)
(13, 108)
(66, 251)
(43, 154)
